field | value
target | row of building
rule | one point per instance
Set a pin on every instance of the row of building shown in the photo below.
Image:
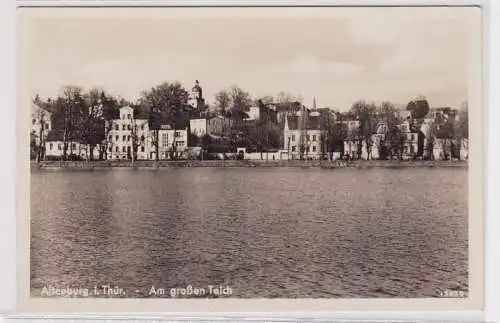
(298, 142)
(302, 136)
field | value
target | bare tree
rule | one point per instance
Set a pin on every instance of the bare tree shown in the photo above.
(222, 101)
(391, 143)
(73, 109)
(40, 116)
(366, 115)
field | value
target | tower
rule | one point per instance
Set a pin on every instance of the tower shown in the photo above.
(196, 98)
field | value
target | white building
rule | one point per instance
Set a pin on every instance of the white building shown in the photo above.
(55, 149)
(198, 127)
(123, 131)
(253, 113)
(171, 143)
(302, 140)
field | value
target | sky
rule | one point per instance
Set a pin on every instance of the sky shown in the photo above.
(338, 55)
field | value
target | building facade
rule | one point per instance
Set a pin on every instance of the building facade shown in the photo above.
(126, 131)
(172, 143)
(218, 125)
(302, 138)
(253, 113)
(198, 127)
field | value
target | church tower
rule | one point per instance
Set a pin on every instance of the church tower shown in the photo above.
(196, 98)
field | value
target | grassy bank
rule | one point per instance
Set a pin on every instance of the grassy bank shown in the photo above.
(243, 163)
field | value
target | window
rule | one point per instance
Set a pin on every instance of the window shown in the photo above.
(294, 148)
(308, 138)
(124, 138)
(179, 143)
(117, 127)
(177, 134)
(164, 140)
(314, 137)
(314, 148)
(142, 127)
(124, 149)
(117, 138)
(110, 149)
(128, 116)
(33, 121)
(142, 138)
(74, 146)
(412, 137)
(51, 146)
(142, 149)
(117, 157)
(124, 127)
(59, 147)
(129, 127)
(128, 138)
(293, 137)
(116, 148)
(110, 138)
(412, 150)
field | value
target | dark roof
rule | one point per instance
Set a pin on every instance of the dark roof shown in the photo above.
(58, 135)
(54, 136)
(314, 123)
(311, 123)
(141, 114)
(287, 106)
(293, 122)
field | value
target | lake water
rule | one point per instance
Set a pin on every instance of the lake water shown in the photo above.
(277, 232)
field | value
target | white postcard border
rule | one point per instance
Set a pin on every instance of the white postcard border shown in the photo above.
(227, 305)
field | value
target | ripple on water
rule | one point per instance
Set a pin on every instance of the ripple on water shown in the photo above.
(264, 232)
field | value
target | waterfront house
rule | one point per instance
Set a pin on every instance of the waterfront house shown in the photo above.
(302, 137)
(54, 149)
(412, 141)
(377, 143)
(75, 149)
(130, 128)
(173, 143)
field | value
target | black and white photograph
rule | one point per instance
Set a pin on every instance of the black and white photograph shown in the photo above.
(251, 153)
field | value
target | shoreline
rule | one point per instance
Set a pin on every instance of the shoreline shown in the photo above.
(105, 164)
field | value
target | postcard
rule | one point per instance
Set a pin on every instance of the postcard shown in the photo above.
(258, 159)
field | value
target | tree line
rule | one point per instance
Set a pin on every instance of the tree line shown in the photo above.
(84, 116)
